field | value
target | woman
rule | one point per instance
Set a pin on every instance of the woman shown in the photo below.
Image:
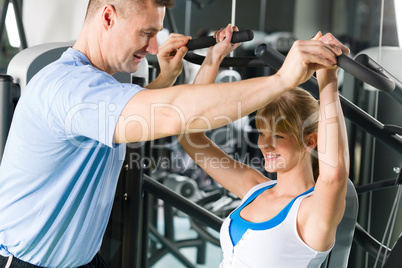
(290, 222)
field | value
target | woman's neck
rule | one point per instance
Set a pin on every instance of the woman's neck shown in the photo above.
(295, 181)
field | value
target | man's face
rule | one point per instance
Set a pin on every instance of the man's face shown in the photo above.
(133, 37)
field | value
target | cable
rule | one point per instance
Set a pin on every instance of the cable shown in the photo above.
(233, 22)
(396, 204)
(390, 223)
(374, 140)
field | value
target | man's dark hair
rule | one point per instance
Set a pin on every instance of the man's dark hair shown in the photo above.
(165, 3)
(94, 5)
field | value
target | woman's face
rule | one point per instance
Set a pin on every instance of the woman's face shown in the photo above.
(281, 151)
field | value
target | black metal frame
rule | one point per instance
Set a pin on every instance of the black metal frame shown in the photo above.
(138, 192)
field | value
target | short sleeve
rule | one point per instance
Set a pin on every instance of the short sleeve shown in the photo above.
(88, 105)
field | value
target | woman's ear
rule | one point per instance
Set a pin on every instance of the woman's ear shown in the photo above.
(310, 141)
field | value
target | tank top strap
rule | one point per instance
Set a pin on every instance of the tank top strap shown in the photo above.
(238, 226)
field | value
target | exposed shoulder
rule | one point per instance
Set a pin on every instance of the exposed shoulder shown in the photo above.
(311, 231)
(253, 186)
(305, 205)
(248, 177)
(305, 208)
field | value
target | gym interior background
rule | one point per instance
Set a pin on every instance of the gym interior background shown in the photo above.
(361, 24)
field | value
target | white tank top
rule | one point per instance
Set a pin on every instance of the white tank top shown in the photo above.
(276, 247)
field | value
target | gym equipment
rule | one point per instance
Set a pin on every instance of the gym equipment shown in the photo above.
(203, 42)
(134, 193)
(9, 92)
(379, 162)
(182, 185)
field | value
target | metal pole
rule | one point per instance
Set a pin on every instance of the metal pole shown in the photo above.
(3, 19)
(187, 23)
(133, 228)
(173, 26)
(263, 11)
(18, 18)
(171, 247)
(6, 85)
(20, 25)
(146, 210)
(190, 208)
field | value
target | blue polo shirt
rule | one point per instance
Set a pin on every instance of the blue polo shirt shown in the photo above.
(60, 166)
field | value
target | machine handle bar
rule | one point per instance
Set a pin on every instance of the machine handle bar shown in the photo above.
(204, 42)
(370, 76)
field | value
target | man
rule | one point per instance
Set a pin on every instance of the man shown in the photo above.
(66, 143)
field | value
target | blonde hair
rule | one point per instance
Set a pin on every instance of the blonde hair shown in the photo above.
(296, 113)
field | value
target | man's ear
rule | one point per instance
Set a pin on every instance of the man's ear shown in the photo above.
(108, 16)
(310, 141)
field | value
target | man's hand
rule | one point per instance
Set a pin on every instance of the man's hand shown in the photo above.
(328, 75)
(305, 58)
(170, 57)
